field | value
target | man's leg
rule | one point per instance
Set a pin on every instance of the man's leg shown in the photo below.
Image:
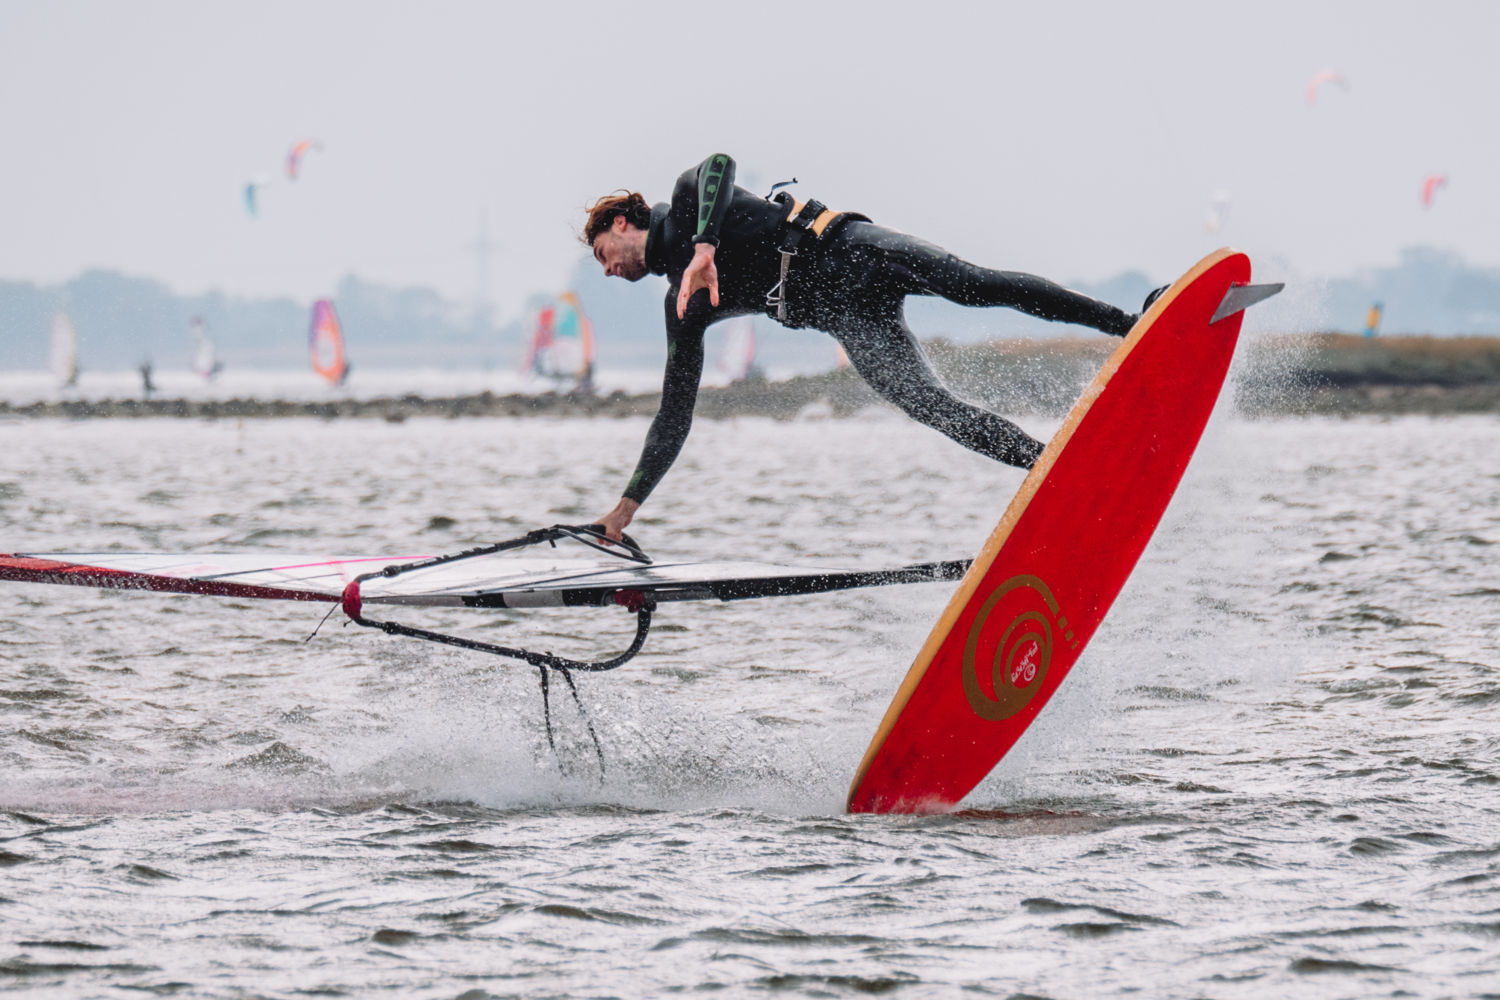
(886, 355)
(925, 268)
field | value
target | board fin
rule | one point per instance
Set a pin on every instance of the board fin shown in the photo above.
(1242, 297)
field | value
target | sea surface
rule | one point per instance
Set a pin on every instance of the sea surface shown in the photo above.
(1274, 772)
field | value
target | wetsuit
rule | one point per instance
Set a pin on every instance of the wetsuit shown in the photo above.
(851, 281)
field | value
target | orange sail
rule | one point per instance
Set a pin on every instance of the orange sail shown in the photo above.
(325, 343)
(561, 347)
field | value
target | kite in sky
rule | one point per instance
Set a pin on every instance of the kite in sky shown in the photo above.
(1430, 188)
(298, 151)
(252, 195)
(1320, 79)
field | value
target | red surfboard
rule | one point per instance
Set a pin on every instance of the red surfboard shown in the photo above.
(1058, 558)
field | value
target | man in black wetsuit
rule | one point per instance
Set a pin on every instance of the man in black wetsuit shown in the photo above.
(728, 252)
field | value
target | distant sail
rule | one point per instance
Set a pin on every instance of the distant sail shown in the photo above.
(64, 359)
(561, 346)
(540, 341)
(737, 353)
(204, 362)
(325, 343)
(1218, 211)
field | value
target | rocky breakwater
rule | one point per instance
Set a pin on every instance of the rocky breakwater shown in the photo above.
(1273, 375)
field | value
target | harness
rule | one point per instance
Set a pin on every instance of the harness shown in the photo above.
(805, 224)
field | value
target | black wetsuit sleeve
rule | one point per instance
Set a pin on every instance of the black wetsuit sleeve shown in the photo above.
(715, 184)
(679, 395)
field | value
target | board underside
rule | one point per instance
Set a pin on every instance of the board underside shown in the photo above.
(1060, 555)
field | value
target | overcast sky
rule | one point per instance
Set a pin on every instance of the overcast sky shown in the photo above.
(1075, 140)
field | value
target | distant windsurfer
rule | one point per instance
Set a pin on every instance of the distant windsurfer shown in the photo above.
(727, 252)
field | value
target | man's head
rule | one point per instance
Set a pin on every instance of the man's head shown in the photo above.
(616, 232)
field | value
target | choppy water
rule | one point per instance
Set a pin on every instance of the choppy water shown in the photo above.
(1275, 772)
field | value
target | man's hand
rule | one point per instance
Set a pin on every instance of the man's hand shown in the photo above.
(700, 273)
(615, 522)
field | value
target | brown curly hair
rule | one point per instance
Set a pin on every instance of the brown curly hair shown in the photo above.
(602, 214)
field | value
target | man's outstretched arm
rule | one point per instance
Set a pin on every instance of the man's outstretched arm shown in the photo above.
(674, 418)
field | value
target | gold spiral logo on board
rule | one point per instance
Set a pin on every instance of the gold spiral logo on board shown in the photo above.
(1017, 655)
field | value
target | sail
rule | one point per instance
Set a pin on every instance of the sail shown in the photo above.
(737, 351)
(1218, 211)
(204, 362)
(561, 346)
(64, 355)
(325, 343)
(540, 341)
(499, 580)
(492, 576)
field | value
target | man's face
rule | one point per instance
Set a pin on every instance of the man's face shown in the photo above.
(621, 250)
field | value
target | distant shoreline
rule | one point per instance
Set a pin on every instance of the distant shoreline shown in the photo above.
(1322, 374)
